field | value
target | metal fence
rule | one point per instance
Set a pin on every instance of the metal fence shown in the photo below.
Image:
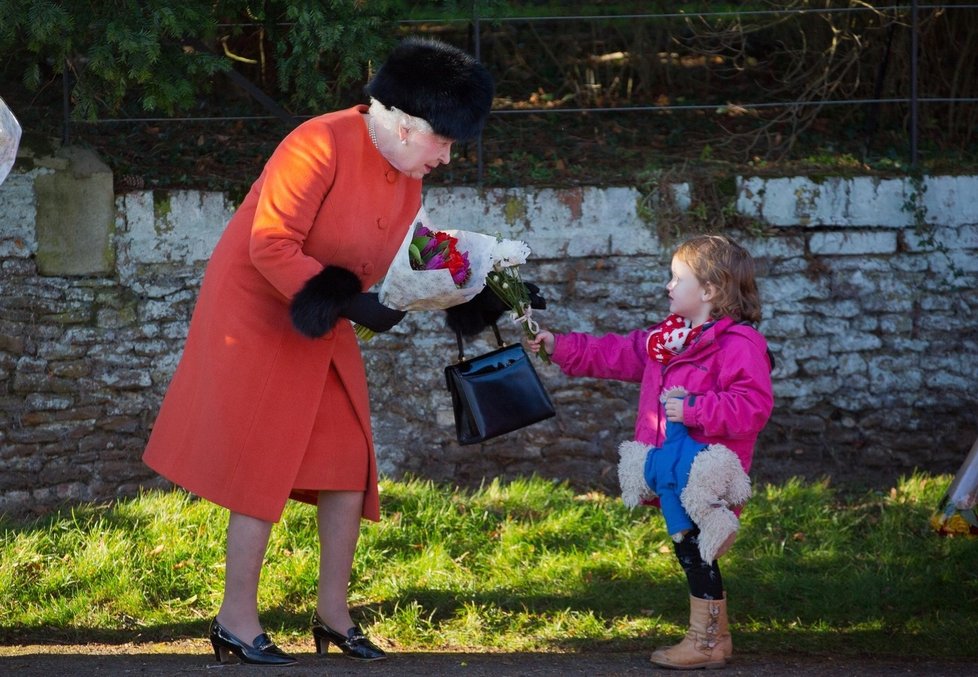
(475, 24)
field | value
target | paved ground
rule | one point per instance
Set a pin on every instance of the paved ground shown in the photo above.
(189, 659)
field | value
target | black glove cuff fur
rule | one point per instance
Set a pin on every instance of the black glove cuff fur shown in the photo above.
(318, 305)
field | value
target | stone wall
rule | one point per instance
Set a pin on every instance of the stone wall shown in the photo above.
(868, 298)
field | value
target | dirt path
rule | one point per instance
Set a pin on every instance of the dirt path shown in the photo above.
(193, 658)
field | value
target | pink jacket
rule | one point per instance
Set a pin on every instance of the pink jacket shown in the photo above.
(727, 374)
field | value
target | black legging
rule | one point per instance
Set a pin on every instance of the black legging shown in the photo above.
(704, 579)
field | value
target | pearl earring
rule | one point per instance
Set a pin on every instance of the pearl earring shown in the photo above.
(403, 142)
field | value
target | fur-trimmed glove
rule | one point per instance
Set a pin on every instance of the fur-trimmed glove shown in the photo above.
(336, 292)
(484, 309)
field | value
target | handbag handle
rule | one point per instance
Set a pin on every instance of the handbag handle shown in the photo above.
(461, 345)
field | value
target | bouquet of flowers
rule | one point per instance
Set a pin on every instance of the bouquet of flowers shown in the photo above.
(505, 281)
(957, 513)
(435, 269)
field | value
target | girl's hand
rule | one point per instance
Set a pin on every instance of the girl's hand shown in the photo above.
(674, 409)
(543, 338)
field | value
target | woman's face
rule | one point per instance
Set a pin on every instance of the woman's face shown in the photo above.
(423, 152)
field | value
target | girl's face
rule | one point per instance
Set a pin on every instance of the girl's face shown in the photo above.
(423, 152)
(687, 297)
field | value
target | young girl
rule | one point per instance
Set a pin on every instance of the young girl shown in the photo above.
(708, 348)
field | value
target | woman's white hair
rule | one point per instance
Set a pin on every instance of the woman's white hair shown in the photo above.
(391, 118)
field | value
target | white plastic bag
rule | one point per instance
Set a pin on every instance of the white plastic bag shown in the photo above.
(407, 289)
(9, 139)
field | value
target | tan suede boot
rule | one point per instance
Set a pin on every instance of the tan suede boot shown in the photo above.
(726, 641)
(707, 643)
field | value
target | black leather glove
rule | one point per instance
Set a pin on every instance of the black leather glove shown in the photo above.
(484, 309)
(365, 309)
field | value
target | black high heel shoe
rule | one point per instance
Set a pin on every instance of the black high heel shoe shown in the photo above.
(262, 651)
(353, 644)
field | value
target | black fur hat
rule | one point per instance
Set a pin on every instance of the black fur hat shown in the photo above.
(436, 82)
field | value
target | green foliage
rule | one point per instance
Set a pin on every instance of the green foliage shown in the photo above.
(163, 55)
(111, 49)
(683, 200)
(524, 566)
(328, 45)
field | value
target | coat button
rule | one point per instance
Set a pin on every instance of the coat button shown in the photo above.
(367, 268)
(381, 223)
(391, 175)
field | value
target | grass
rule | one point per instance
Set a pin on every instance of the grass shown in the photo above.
(528, 565)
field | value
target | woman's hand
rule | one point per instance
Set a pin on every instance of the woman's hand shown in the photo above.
(543, 338)
(366, 310)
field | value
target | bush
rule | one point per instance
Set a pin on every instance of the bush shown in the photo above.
(162, 56)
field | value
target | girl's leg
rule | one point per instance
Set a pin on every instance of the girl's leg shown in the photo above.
(707, 643)
(705, 581)
(338, 517)
(246, 543)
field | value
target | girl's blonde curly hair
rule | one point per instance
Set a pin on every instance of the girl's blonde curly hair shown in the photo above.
(720, 263)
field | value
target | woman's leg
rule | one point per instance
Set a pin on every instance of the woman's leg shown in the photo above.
(339, 528)
(246, 544)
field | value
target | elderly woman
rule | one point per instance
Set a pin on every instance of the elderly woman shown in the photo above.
(269, 401)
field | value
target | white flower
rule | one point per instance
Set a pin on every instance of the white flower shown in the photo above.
(509, 253)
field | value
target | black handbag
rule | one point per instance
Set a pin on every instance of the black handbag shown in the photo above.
(495, 393)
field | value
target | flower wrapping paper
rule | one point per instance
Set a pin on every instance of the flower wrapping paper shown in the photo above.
(407, 289)
(9, 139)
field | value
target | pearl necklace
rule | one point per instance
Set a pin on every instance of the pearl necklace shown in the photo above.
(372, 132)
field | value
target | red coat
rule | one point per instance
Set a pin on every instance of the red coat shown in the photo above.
(237, 417)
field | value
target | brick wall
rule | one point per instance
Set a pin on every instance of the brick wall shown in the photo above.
(868, 302)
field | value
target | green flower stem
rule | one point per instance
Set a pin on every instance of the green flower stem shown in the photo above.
(363, 333)
(509, 287)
